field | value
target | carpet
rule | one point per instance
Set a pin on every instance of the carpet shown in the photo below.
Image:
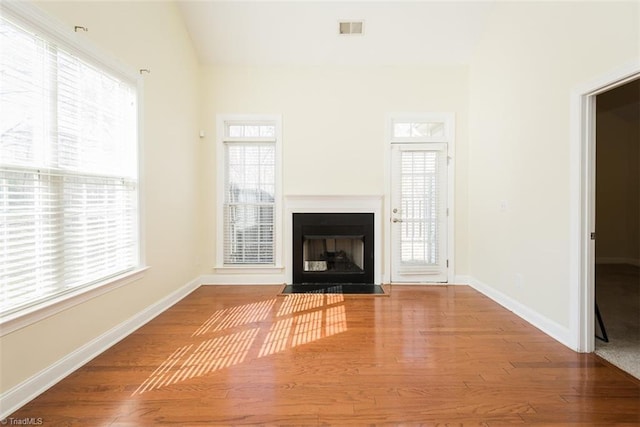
(334, 288)
(618, 296)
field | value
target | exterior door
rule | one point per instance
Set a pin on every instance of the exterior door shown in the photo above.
(419, 213)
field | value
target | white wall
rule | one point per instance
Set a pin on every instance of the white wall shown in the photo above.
(334, 125)
(529, 60)
(142, 35)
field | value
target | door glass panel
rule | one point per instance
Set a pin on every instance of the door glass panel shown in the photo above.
(419, 208)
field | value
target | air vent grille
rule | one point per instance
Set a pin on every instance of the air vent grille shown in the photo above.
(350, 27)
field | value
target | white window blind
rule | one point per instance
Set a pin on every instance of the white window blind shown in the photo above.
(68, 170)
(249, 194)
(419, 200)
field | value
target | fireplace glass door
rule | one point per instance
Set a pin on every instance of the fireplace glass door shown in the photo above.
(333, 254)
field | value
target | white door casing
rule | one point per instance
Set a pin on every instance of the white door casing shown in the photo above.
(582, 252)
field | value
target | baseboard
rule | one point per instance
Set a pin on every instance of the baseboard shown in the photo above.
(277, 279)
(461, 280)
(242, 279)
(13, 399)
(546, 325)
(618, 260)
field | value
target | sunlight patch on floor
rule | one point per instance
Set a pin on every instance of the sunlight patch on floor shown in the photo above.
(211, 355)
(305, 318)
(236, 316)
(296, 303)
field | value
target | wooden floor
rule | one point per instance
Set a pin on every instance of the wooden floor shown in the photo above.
(423, 355)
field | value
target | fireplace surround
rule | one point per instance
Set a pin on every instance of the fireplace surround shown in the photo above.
(333, 247)
(332, 203)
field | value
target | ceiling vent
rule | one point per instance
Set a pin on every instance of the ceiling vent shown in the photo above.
(350, 27)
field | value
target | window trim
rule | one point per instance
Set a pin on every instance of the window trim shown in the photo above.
(54, 30)
(221, 139)
(55, 305)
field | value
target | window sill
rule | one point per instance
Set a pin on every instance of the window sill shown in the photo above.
(14, 321)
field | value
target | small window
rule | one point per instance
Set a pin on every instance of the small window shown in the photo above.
(416, 129)
(249, 196)
(239, 130)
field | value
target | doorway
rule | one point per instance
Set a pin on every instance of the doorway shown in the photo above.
(583, 206)
(420, 209)
(418, 215)
(617, 226)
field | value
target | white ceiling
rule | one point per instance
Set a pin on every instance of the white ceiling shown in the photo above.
(306, 32)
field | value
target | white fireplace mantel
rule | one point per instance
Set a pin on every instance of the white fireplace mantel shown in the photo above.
(333, 204)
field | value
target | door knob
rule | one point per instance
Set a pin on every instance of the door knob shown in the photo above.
(397, 220)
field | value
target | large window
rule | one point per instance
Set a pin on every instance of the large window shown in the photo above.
(250, 191)
(68, 169)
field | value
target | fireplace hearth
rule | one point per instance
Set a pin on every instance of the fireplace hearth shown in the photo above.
(333, 248)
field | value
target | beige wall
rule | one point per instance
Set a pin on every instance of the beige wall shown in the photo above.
(334, 125)
(617, 187)
(528, 62)
(142, 35)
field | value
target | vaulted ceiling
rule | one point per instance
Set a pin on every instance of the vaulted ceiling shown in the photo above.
(306, 32)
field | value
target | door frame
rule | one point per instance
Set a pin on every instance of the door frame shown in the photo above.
(449, 119)
(582, 202)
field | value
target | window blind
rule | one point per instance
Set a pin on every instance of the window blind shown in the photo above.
(250, 187)
(419, 204)
(68, 170)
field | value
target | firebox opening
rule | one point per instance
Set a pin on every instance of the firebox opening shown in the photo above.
(333, 248)
(333, 253)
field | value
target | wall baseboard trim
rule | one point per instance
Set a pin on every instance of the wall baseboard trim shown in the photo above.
(242, 279)
(16, 397)
(278, 279)
(546, 325)
(461, 280)
(618, 260)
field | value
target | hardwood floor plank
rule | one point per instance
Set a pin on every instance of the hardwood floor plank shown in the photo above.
(244, 355)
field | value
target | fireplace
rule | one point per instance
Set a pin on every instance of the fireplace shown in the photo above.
(333, 248)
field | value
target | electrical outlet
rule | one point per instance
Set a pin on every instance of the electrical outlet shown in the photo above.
(503, 206)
